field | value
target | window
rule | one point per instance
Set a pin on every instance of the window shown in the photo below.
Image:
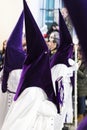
(49, 16)
(49, 11)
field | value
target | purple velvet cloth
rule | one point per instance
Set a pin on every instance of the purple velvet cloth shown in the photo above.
(59, 93)
(65, 50)
(14, 55)
(83, 124)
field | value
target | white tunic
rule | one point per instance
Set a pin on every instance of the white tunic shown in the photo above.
(66, 72)
(7, 98)
(32, 111)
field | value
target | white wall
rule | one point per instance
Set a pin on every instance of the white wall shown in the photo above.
(9, 14)
(10, 11)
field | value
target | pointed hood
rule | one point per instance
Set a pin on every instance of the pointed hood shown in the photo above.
(14, 55)
(66, 47)
(36, 70)
(78, 12)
